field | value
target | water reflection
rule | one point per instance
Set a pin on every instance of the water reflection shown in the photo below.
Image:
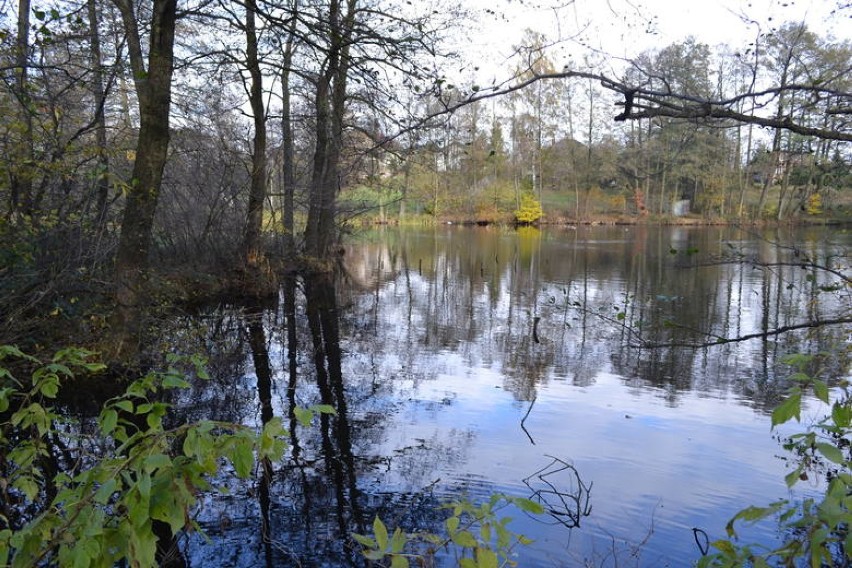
(568, 304)
(457, 361)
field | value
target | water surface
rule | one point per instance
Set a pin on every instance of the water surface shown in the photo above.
(469, 361)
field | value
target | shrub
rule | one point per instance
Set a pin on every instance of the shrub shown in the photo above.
(530, 211)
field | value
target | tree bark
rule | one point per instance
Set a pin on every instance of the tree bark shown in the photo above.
(21, 170)
(153, 89)
(101, 182)
(330, 104)
(257, 194)
(288, 167)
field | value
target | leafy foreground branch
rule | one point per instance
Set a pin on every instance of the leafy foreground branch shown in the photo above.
(480, 536)
(71, 496)
(64, 504)
(816, 530)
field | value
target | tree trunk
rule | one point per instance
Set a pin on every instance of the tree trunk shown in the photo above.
(330, 104)
(288, 167)
(257, 194)
(153, 89)
(21, 166)
(101, 182)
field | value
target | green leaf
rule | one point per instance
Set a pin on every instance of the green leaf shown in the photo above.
(242, 457)
(398, 541)
(529, 506)
(5, 395)
(373, 554)
(798, 360)
(26, 485)
(109, 420)
(467, 563)
(59, 368)
(821, 390)
(486, 558)
(790, 408)
(142, 546)
(398, 561)
(324, 409)
(125, 405)
(831, 452)
(725, 547)
(485, 532)
(105, 491)
(452, 525)
(166, 506)
(841, 415)
(465, 539)
(11, 350)
(364, 540)
(50, 386)
(175, 382)
(156, 461)
(381, 533)
(303, 415)
(753, 514)
(793, 477)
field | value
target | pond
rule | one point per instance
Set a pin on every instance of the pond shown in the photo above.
(558, 365)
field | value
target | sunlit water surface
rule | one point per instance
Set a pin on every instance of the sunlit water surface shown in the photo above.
(465, 362)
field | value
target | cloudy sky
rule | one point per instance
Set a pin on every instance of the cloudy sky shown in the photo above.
(623, 28)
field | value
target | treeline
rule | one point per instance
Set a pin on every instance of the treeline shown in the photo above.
(242, 135)
(164, 133)
(557, 141)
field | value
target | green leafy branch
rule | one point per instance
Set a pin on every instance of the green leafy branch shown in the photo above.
(481, 537)
(816, 529)
(103, 510)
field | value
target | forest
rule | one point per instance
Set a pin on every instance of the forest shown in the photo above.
(220, 135)
(158, 153)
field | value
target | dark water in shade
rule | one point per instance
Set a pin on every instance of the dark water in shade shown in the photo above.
(469, 361)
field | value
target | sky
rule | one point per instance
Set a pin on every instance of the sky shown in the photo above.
(624, 28)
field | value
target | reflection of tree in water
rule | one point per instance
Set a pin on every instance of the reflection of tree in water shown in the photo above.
(335, 481)
(708, 297)
(545, 310)
(573, 304)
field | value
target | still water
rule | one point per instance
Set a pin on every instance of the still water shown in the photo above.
(557, 365)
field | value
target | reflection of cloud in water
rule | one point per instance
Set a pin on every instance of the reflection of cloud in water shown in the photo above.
(447, 343)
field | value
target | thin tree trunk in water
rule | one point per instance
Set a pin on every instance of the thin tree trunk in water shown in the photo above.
(263, 372)
(322, 315)
(321, 204)
(257, 193)
(406, 182)
(101, 183)
(153, 88)
(647, 153)
(771, 170)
